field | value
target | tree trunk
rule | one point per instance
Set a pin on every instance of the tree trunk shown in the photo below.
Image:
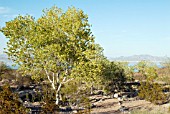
(57, 98)
(58, 93)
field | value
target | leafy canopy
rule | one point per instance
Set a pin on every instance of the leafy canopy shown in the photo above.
(58, 44)
(56, 41)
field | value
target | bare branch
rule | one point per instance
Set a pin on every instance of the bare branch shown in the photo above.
(61, 84)
(67, 81)
(48, 76)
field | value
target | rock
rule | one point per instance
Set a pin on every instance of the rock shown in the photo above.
(116, 95)
(136, 81)
(123, 109)
(75, 111)
(36, 103)
(99, 92)
(93, 106)
(120, 99)
(125, 97)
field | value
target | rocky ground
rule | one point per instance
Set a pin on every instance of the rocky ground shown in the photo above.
(106, 105)
(111, 106)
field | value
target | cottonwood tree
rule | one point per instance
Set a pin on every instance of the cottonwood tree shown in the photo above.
(57, 44)
(91, 71)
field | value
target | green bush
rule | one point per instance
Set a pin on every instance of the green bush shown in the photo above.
(9, 102)
(49, 106)
(75, 93)
(114, 77)
(152, 92)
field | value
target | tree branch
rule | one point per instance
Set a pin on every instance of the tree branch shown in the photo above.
(67, 81)
(61, 84)
(48, 76)
(53, 78)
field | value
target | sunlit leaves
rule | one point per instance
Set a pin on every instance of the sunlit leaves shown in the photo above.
(147, 69)
(58, 43)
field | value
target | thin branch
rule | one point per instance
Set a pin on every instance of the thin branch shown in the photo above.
(67, 81)
(60, 84)
(57, 76)
(53, 78)
(48, 76)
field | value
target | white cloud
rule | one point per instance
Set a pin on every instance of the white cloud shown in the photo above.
(4, 10)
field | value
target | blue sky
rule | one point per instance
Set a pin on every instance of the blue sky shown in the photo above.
(121, 27)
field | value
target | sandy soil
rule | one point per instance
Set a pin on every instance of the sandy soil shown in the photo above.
(111, 106)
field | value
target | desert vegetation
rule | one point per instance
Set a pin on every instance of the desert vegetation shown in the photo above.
(62, 69)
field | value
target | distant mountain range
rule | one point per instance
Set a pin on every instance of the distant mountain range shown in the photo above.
(134, 58)
(137, 58)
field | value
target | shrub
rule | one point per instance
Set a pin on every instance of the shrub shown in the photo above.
(49, 106)
(9, 102)
(152, 92)
(76, 94)
(113, 77)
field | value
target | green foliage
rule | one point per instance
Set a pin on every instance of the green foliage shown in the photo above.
(49, 105)
(152, 92)
(147, 69)
(59, 44)
(164, 72)
(9, 102)
(113, 77)
(76, 93)
(128, 70)
(164, 78)
(55, 41)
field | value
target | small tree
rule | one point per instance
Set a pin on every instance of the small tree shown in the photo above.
(57, 44)
(128, 70)
(149, 90)
(113, 76)
(152, 92)
(147, 70)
